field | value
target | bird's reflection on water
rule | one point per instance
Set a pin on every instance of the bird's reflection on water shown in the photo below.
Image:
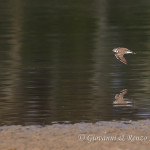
(123, 106)
(120, 101)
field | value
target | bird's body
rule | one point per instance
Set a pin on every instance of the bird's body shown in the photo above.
(120, 51)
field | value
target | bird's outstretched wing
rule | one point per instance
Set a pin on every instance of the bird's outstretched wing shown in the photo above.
(124, 91)
(121, 58)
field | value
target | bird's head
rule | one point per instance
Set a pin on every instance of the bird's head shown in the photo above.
(115, 50)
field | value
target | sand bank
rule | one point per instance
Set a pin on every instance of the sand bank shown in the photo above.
(124, 135)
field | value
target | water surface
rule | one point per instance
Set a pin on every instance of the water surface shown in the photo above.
(57, 64)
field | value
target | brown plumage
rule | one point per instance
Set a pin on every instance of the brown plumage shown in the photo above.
(120, 51)
(119, 98)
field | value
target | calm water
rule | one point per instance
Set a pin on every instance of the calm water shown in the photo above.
(57, 65)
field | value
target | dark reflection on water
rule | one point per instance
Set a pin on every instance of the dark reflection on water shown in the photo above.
(57, 65)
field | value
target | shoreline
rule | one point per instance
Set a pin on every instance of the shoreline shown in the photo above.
(104, 135)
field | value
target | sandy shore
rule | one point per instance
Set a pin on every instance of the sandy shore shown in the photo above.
(124, 135)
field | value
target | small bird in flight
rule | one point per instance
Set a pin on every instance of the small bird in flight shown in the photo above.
(120, 51)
